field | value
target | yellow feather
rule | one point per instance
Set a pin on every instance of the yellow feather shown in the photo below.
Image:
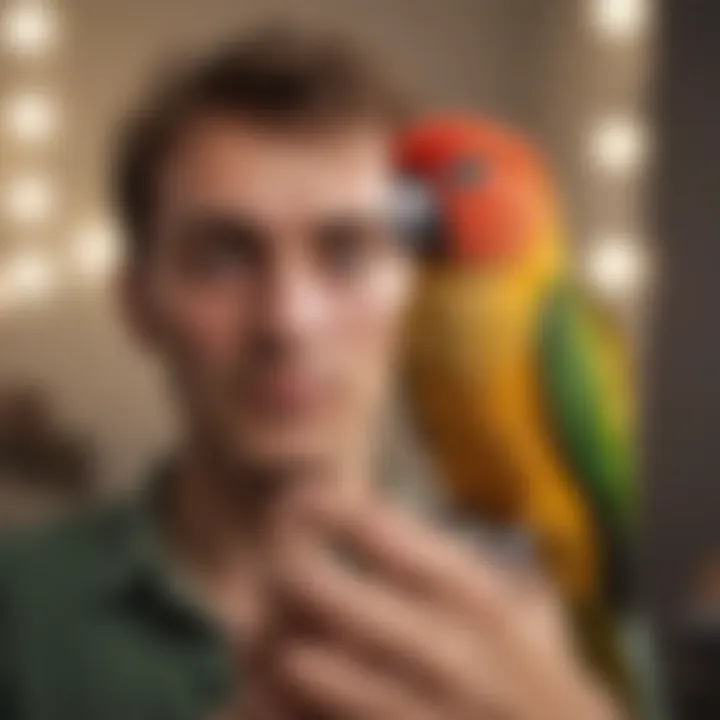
(473, 387)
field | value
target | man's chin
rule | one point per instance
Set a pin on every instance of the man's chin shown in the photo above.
(283, 454)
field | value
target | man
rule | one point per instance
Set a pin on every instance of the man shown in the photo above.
(264, 576)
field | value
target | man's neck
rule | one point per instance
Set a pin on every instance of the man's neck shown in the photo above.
(221, 510)
(219, 525)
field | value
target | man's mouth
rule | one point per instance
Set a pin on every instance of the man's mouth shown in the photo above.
(286, 394)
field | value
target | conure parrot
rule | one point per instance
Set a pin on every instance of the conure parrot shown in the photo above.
(519, 384)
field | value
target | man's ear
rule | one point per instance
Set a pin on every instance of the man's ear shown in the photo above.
(137, 305)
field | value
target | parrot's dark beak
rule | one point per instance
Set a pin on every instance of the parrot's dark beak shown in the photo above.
(416, 217)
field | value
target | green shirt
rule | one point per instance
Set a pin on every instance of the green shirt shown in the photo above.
(91, 626)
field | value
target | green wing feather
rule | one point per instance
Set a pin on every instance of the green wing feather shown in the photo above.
(588, 394)
(586, 386)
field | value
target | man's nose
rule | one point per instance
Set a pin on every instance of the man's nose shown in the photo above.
(294, 304)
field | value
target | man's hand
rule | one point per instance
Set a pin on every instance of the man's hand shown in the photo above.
(382, 618)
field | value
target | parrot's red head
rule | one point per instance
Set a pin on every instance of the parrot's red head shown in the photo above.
(485, 191)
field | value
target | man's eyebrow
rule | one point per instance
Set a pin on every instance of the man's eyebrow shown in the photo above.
(220, 223)
(374, 219)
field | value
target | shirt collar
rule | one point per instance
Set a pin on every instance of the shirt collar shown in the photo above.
(136, 554)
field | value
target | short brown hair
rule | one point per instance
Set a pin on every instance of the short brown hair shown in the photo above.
(277, 76)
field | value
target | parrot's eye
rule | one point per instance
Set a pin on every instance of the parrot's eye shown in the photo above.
(467, 172)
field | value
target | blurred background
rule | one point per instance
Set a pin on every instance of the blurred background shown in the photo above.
(618, 94)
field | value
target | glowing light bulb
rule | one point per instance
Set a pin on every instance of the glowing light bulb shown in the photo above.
(620, 19)
(618, 145)
(618, 266)
(95, 253)
(29, 199)
(28, 276)
(31, 117)
(30, 27)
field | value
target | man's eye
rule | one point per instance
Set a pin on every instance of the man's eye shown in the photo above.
(221, 249)
(347, 249)
(222, 256)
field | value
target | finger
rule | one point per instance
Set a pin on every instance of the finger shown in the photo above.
(402, 548)
(332, 683)
(519, 622)
(407, 635)
(262, 706)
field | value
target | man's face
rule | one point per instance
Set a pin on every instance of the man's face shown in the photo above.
(276, 289)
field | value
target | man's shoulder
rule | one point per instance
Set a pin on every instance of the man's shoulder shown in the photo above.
(44, 563)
